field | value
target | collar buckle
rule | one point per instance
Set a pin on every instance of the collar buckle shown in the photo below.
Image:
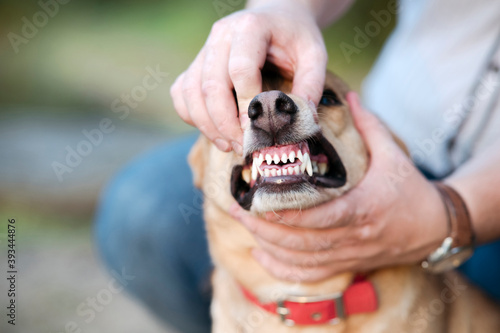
(283, 311)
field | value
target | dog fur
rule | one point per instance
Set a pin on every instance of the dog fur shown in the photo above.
(409, 299)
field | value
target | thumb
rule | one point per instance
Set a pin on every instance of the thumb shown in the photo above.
(309, 77)
(374, 133)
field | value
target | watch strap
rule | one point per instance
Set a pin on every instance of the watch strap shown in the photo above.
(459, 221)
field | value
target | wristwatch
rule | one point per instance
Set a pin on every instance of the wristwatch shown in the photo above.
(459, 245)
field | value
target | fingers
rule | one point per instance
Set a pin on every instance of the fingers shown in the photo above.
(337, 213)
(309, 78)
(310, 258)
(246, 58)
(374, 133)
(177, 98)
(217, 92)
(289, 237)
(312, 273)
(195, 104)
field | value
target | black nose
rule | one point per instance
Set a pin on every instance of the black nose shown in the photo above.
(272, 112)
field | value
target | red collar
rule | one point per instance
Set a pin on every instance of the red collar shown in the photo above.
(359, 297)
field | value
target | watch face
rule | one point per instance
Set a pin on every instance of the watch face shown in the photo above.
(452, 260)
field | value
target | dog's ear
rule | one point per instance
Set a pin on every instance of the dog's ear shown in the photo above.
(197, 160)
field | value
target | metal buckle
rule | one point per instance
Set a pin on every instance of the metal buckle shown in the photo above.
(337, 298)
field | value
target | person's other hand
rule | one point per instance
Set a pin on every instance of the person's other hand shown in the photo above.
(393, 216)
(232, 57)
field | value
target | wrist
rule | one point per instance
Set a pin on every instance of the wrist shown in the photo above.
(458, 246)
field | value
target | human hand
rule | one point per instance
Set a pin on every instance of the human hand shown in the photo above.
(393, 216)
(238, 46)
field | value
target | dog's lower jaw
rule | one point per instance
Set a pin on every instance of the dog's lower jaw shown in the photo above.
(306, 196)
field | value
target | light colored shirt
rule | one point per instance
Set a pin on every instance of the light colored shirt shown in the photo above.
(421, 81)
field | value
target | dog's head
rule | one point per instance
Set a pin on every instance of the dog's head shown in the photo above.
(292, 160)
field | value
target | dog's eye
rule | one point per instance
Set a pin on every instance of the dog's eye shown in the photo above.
(329, 98)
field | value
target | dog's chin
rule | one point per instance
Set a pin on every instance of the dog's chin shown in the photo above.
(297, 196)
(292, 176)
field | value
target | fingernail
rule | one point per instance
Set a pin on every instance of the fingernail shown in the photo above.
(237, 147)
(312, 106)
(222, 145)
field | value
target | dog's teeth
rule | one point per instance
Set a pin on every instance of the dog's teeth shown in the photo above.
(290, 170)
(258, 160)
(300, 156)
(269, 159)
(266, 173)
(305, 160)
(291, 157)
(322, 168)
(296, 169)
(284, 158)
(273, 172)
(276, 159)
(245, 174)
(285, 172)
(254, 170)
(315, 166)
(278, 173)
(309, 168)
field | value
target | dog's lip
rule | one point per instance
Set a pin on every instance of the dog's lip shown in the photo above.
(335, 177)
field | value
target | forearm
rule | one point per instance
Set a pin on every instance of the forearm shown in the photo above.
(478, 181)
(324, 11)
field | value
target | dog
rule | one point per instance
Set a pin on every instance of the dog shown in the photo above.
(293, 160)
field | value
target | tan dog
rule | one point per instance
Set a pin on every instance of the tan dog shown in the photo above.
(322, 161)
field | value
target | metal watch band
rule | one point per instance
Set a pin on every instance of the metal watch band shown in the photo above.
(459, 221)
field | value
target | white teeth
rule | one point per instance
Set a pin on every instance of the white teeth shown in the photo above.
(315, 166)
(299, 155)
(245, 174)
(254, 170)
(292, 156)
(322, 168)
(278, 173)
(285, 172)
(276, 159)
(273, 172)
(269, 159)
(284, 158)
(290, 170)
(266, 173)
(258, 160)
(296, 169)
(309, 167)
(305, 159)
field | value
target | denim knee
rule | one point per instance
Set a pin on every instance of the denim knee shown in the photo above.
(141, 228)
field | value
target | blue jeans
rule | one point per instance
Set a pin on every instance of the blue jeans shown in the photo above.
(149, 225)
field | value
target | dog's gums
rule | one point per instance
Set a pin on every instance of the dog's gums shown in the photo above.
(287, 168)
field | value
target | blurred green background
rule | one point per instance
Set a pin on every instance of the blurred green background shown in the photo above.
(63, 81)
